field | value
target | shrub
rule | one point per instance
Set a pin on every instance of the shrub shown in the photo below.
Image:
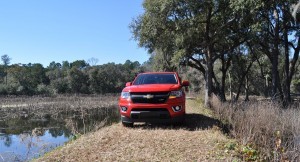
(60, 86)
(43, 89)
(9, 89)
(3, 89)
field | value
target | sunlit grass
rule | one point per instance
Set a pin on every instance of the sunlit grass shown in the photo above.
(200, 139)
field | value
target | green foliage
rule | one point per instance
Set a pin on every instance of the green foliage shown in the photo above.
(249, 153)
(193, 33)
(2, 73)
(3, 89)
(43, 89)
(75, 77)
(28, 77)
(231, 35)
(296, 85)
(77, 80)
(79, 64)
(194, 77)
(60, 86)
(5, 59)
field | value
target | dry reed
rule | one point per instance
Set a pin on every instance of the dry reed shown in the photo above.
(263, 125)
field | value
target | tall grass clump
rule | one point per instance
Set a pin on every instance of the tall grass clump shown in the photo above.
(265, 127)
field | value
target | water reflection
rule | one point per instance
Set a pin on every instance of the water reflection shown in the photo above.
(26, 141)
(29, 134)
(26, 146)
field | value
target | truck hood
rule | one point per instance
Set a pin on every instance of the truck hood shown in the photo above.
(152, 88)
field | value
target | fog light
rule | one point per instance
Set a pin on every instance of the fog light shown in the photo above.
(176, 108)
(123, 108)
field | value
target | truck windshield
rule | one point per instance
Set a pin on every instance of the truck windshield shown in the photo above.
(155, 79)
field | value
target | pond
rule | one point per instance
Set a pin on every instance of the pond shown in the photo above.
(27, 146)
(28, 131)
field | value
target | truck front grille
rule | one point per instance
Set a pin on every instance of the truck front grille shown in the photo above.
(150, 97)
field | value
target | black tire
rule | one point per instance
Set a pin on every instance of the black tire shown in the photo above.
(127, 124)
(180, 123)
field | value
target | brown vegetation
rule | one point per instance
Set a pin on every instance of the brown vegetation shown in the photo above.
(79, 113)
(266, 131)
(199, 140)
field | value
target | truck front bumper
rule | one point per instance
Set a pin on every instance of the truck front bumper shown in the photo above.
(152, 117)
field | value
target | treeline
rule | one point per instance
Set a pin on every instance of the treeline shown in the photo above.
(66, 77)
(239, 46)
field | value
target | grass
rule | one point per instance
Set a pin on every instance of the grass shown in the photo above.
(201, 139)
(265, 131)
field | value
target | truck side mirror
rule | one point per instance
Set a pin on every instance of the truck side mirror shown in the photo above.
(128, 84)
(185, 83)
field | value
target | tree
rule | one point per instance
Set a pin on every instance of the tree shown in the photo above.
(78, 81)
(54, 65)
(6, 61)
(241, 65)
(195, 33)
(276, 31)
(80, 64)
(93, 61)
(28, 77)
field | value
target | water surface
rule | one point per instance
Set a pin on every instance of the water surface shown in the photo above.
(27, 133)
(26, 146)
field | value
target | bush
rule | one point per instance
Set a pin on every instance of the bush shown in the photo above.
(44, 89)
(9, 89)
(3, 89)
(60, 86)
(273, 131)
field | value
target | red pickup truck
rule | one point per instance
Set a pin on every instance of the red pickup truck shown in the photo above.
(156, 97)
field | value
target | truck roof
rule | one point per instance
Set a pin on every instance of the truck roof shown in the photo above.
(159, 73)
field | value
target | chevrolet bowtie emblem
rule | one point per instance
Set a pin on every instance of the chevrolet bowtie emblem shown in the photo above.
(148, 96)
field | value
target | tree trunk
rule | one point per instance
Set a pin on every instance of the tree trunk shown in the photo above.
(217, 88)
(244, 75)
(209, 62)
(225, 66)
(275, 53)
(222, 89)
(238, 90)
(230, 87)
(209, 80)
(247, 88)
(287, 86)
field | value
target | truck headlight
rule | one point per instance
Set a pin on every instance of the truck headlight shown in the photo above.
(125, 95)
(175, 94)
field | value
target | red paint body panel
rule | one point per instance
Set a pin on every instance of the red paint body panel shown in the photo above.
(152, 88)
(147, 92)
(168, 105)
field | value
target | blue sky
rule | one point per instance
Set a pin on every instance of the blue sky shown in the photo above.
(41, 31)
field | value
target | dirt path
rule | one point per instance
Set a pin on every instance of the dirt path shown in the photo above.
(199, 140)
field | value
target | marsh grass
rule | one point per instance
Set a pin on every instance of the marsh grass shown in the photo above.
(263, 128)
(79, 113)
(73, 115)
